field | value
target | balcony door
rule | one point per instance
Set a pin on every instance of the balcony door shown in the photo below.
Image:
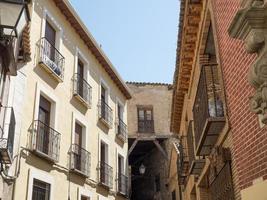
(103, 163)
(103, 102)
(78, 146)
(43, 134)
(80, 72)
(50, 35)
(121, 178)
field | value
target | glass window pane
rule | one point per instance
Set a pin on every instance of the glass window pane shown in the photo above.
(149, 115)
(41, 190)
(141, 114)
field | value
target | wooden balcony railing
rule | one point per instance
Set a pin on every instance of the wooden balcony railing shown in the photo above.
(123, 184)
(105, 113)
(105, 174)
(82, 90)
(51, 59)
(208, 110)
(7, 133)
(221, 188)
(45, 141)
(80, 160)
(121, 130)
(195, 164)
(146, 126)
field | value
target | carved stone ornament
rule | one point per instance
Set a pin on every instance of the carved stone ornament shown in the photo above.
(250, 26)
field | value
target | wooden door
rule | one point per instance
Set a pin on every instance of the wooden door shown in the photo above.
(50, 35)
(43, 133)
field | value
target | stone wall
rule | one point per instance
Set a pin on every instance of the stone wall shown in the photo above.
(157, 95)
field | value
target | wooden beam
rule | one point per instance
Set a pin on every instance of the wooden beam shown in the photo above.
(156, 142)
(132, 147)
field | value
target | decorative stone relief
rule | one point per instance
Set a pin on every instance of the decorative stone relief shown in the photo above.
(250, 26)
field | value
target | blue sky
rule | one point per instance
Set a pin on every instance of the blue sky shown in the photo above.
(138, 36)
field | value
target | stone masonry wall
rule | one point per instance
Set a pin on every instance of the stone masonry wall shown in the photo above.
(160, 97)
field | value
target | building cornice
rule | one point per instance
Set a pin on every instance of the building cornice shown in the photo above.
(190, 16)
(75, 21)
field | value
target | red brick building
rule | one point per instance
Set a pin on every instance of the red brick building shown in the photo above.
(224, 153)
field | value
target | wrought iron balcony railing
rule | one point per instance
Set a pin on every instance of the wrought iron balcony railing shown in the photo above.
(121, 130)
(221, 188)
(123, 184)
(208, 110)
(80, 160)
(105, 174)
(7, 133)
(45, 141)
(146, 126)
(105, 113)
(51, 59)
(82, 90)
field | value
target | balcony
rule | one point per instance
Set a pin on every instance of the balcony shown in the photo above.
(123, 184)
(221, 187)
(195, 165)
(80, 160)
(208, 111)
(182, 161)
(121, 130)
(7, 132)
(82, 90)
(146, 126)
(105, 175)
(51, 59)
(45, 141)
(105, 113)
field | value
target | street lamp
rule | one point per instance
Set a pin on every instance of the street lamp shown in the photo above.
(142, 169)
(14, 16)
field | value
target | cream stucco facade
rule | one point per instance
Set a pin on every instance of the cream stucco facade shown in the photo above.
(66, 111)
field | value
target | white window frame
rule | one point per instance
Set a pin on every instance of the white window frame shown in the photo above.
(47, 16)
(84, 192)
(42, 176)
(122, 105)
(78, 118)
(107, 95)
(49, 95)
(80, 56)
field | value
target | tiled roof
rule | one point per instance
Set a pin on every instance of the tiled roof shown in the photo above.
(148, 83)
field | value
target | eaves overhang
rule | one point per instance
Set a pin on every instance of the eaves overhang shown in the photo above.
(190, 16)
(75, 21)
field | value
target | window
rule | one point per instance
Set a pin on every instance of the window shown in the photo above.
(41, 190)
(145, 120)
(78, 145)
(85, 198)
(120, 164)
(50, 35)
(80, 72)
(43, 136)
(49, 54)
(157, 182)
(104, 162)
(173, 195)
